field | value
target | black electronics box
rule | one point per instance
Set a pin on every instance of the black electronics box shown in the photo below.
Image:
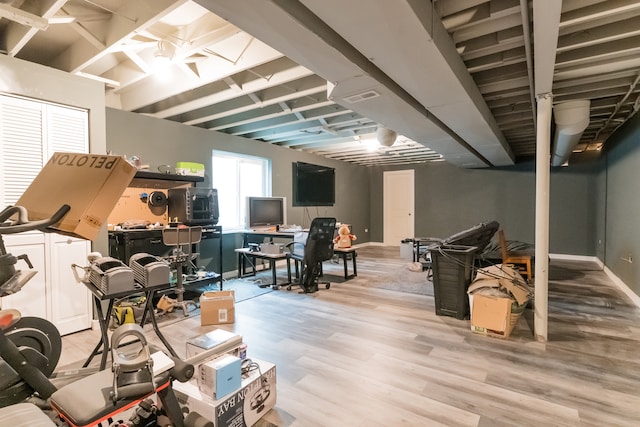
(193, 206)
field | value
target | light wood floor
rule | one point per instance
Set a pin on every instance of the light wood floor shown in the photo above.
(360, 356)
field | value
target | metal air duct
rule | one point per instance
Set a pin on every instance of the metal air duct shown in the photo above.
(571, 118)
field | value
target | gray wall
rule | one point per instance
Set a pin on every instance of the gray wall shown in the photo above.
(159, 142)
(449, 199)
(622, 214)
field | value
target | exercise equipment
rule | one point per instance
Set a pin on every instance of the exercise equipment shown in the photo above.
(30, 350)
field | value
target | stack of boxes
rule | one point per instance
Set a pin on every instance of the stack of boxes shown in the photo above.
(227, 388)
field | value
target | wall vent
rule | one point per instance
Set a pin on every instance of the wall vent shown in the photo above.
(363, 96)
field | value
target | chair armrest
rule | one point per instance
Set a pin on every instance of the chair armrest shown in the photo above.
(291, 246)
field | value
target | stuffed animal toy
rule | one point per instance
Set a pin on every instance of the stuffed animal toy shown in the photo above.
(344, 237)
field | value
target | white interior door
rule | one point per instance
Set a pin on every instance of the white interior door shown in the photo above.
(398, 201)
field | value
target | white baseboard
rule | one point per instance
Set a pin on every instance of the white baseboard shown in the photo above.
(577, 258)
(622, 286)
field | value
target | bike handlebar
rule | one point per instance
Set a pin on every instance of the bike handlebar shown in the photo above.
(23, 224)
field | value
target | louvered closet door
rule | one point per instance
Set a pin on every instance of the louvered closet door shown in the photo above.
(21, 136)
(30, 132)
(67, 130)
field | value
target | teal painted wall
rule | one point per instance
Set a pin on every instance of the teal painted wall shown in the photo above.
(623, 204)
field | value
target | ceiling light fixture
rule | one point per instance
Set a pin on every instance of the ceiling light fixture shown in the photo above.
(371, 144)
(164, 53)
(386, 136)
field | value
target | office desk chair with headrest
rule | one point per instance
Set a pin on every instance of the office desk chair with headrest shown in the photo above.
(317, 248)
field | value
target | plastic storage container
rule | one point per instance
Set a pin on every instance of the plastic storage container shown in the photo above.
(452, 273)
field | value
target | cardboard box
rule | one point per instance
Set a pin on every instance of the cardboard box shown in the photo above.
(494, 316)
(243, 408)
(219, 377)
(91, 184)
(272, 248)
(217, 307)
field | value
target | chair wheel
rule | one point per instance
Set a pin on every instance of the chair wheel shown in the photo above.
(327, 286)
(289, 287)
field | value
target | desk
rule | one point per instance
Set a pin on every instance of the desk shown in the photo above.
(103, 319)
(343, 253)
(244, 254)
(288, 235)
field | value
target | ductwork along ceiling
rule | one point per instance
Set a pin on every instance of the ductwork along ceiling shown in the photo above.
(455, 79)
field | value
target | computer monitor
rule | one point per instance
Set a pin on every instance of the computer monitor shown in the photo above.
(264, 212)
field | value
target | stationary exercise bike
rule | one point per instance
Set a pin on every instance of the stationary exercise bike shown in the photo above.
(30, 348)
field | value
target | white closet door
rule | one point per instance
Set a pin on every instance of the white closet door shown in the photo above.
(30, 132)
(21, 136)
(71, 310)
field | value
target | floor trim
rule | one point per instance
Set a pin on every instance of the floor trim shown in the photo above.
(622, 286)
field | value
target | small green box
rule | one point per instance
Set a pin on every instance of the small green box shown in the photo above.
(190, 168)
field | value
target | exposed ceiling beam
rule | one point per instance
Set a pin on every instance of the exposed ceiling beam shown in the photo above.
(26, 23)
(23, 17)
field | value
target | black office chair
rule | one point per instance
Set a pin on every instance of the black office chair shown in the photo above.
(310, 254)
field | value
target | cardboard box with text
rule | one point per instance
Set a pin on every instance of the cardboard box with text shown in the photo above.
(91, 184)
(242, 408)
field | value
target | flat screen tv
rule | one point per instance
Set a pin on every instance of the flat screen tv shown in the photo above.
(263, 212)
(313, 185)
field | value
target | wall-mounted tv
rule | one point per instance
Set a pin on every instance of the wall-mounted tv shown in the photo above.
(313, 185)
(263, 212)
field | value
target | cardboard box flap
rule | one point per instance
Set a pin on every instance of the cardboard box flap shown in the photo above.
(519, 292)
(483, 283)
(91, 184)
(497, 271)
(217, 295)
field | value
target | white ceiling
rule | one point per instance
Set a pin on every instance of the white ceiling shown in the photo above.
(455, 78)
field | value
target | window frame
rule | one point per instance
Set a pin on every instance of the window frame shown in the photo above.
(240, 201)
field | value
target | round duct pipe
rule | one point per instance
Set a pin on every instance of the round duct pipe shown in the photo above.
(386, 136)
(571, 118)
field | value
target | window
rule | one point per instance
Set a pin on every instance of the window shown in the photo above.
(236, 177)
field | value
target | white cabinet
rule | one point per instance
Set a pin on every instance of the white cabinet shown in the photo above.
(30, 132)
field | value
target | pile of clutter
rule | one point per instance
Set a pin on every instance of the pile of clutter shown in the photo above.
(497, 298)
